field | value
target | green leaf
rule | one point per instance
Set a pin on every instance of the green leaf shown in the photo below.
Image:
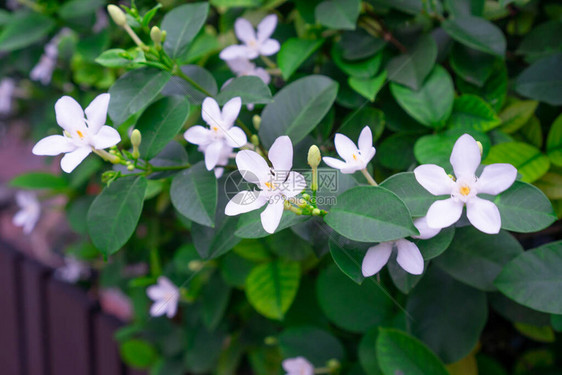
(355, 121)
(515, 312)
(352, 307)
(338, 14)
(542, 81)
(366, 352)
(533, 278)
(554, 142)
(494, 90)
(23, 29)
(294, 52)
(201, 76)
(407, 188)
(388, 220)
(214, 242)
(39, 180)
(411, 69)
(435, 246)
(271, 287)
(358, 45)
(250, 89)
(368, 87)
(472, 65)
(78, 8)
(316, 345)
(406, 6)
(530, 162)
(517, 114)
(139, 354)
(524, 208)
(297, 109)
(159, 123)
(348, 256)
(432, 104)
(471, 111)
(542, 41)
(477, 33)
(399, 353)
(397, 151)
(403, 280)
(214, 300)
(476, 258)
(114, 214)
(119, 58)
(236, 3)
(133, 91)
(447, 315)
(194, 194)
(182, 25)
(360, 69)
(531, 132)
(250, 226)
(551, 185)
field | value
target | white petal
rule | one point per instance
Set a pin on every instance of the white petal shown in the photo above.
(106, 137)
(53, 145)
(484, 215)
(365, 141)
(240, 66)
(263, 75)
(409, 257)
(266, 27)
(426, 232)
(244, 30)
(237, 52)
(298, 366)
(245, 201)
(165, 283)
(235, 137)
(465, 157)
(281, 154)
(72, 159)
(252, 166)
(69, 114)
(155, 292)
(496, 178)
(269, 47)
(375, 259)
(198, 135)
(212, 154)
(172, 308)
(230, 112)
(158, 308)
(434, 179)
(294, 184)
(345, 147)
(444, 213)
(334, 163)
(20, 218)
(96, 112)
(271, 216)
(211, 112)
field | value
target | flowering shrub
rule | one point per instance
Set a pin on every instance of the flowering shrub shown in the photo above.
(268, 159)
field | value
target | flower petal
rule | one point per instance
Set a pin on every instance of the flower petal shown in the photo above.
(211, 112)
(496, 178)
(269, 47)
(72, 159)
(266, 27)
(172, 308)
(158, 308)
(375, 259)
(212, 154)
(245, 201)
(237, 52)
(252, 166)
(53, 145)
(281, 154)
(434, 179)
(235, 137)
(230, 112)
(426, 232)
(271, 216)
(345, 147)
(484, 215)
(465, 157)
(365, 141)
(409, 257)
(155, 292)
(244, 30)
(106, 137)
(96, 112)
(442, 214)
(263, 75)
(294, 184)
(334, 163)
(240, 66)
(70, 115)
(198, 135)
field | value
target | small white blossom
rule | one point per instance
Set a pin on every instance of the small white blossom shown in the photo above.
(255, 44)
(276, 184)
(244, 67)
(298, 366)
(72, 271)
(7, 90)
(463, 190)
(408, 257)
(354, 159)
(165, 296)
(426, 232)
(30, 210)
(218, 141)
(82, 133)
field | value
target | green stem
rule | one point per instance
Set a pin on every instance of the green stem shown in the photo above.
(177, 71)
(171, 168)
(270, 64)
(369, 178)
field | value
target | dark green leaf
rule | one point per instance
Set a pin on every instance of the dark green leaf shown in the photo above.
(368, 87)
(79, 8)
(542, 41)
(358, 45)
(201, 76)
(530, 162)
(494, 90)
(359, 69)
(23, 29)
(316, 345)
(182, 25)
(411, 69)
(407, 188)
(472, 65)
(294, 52)
(354, 123)
(250, 226)
(39, 180)
(542, 81)
(473, 112)
(214, 298)
(367, 352)
(397, 151)
(250, 89)
(554, 142)
(338, 14)
(477, 33)
(348, 256)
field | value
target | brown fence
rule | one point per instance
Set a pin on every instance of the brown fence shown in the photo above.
(48, 327)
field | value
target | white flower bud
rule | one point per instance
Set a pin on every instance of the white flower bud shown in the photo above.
(156, 35)
(117, 15)
(314, 156)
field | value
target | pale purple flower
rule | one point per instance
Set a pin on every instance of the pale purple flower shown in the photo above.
(255, 43)
(165, 296)
(30, 210)
(298, 366)
(244, 67)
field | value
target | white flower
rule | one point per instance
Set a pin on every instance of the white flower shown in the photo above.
(43, 71)
(81, 134)
(355, 159)
(7, 90)
(408, 257)
(255, 44)
(276, 184)
(217, 141)
(465, 159)
(298, 366)
(426, 232)
(165, 296)
(72, 271)
(30, 210)
(244, 67)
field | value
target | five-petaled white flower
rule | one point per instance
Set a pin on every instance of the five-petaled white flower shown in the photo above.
(30, 210)
(276, 184)
(465, 159)
(81, 134)
(217, 141)
(244, 67)
(165, 296)
(298, 366)
(255, 44)
(355, 159)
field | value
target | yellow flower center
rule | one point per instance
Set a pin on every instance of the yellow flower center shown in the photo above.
(80, 134)
(464, 190)
(269, 185)
(354, 157)
(216, 128)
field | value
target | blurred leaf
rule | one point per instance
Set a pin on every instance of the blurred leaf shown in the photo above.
(358, 45)
(250, 89)
(465, 366)
(24, 29)
(368, 87)
(477, 33)
(542, 81)
(472, 65)
(542, 41)
(530, 162)
(367, 352)
(365, 68)
(182, 25)
(532, 132)
(294, 52)
(214, 299)
(119, 58)
(554, 142)
(473, 112)
(316, 345)
(411, 69)
(540, 334)
(494, 90)
(354, 122)
(79, 8)
(39, 180)
(551, 185)
(517, 114)
(338, 14)
(139, 354)
(406, 6)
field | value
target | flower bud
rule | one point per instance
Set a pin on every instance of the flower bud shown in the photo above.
(136, 139)
(316, 212)
(480, 147)
(156, 35)
(195, 265)
(270, 340)
(333, 364)
(117, 15)
(255, 140)
(314, 156)
(306, 196)
(256, 120)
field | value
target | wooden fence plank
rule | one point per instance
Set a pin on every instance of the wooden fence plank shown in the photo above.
(107, 350)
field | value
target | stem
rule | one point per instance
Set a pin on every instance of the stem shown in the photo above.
(290, 207)
(134, 36)
(244, 127)
(369, 178)
(270, 64)
(170, 168)
(106, 156)
(177, 71)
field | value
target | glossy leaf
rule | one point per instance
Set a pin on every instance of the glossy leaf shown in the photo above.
(554, 142)
(530, 162)
(411, 69)
(473, 112)
(294, 52)
(542, 81)
(338, 14)
(182, 25)
(477, 33)
(250, 89)
(368, 87)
